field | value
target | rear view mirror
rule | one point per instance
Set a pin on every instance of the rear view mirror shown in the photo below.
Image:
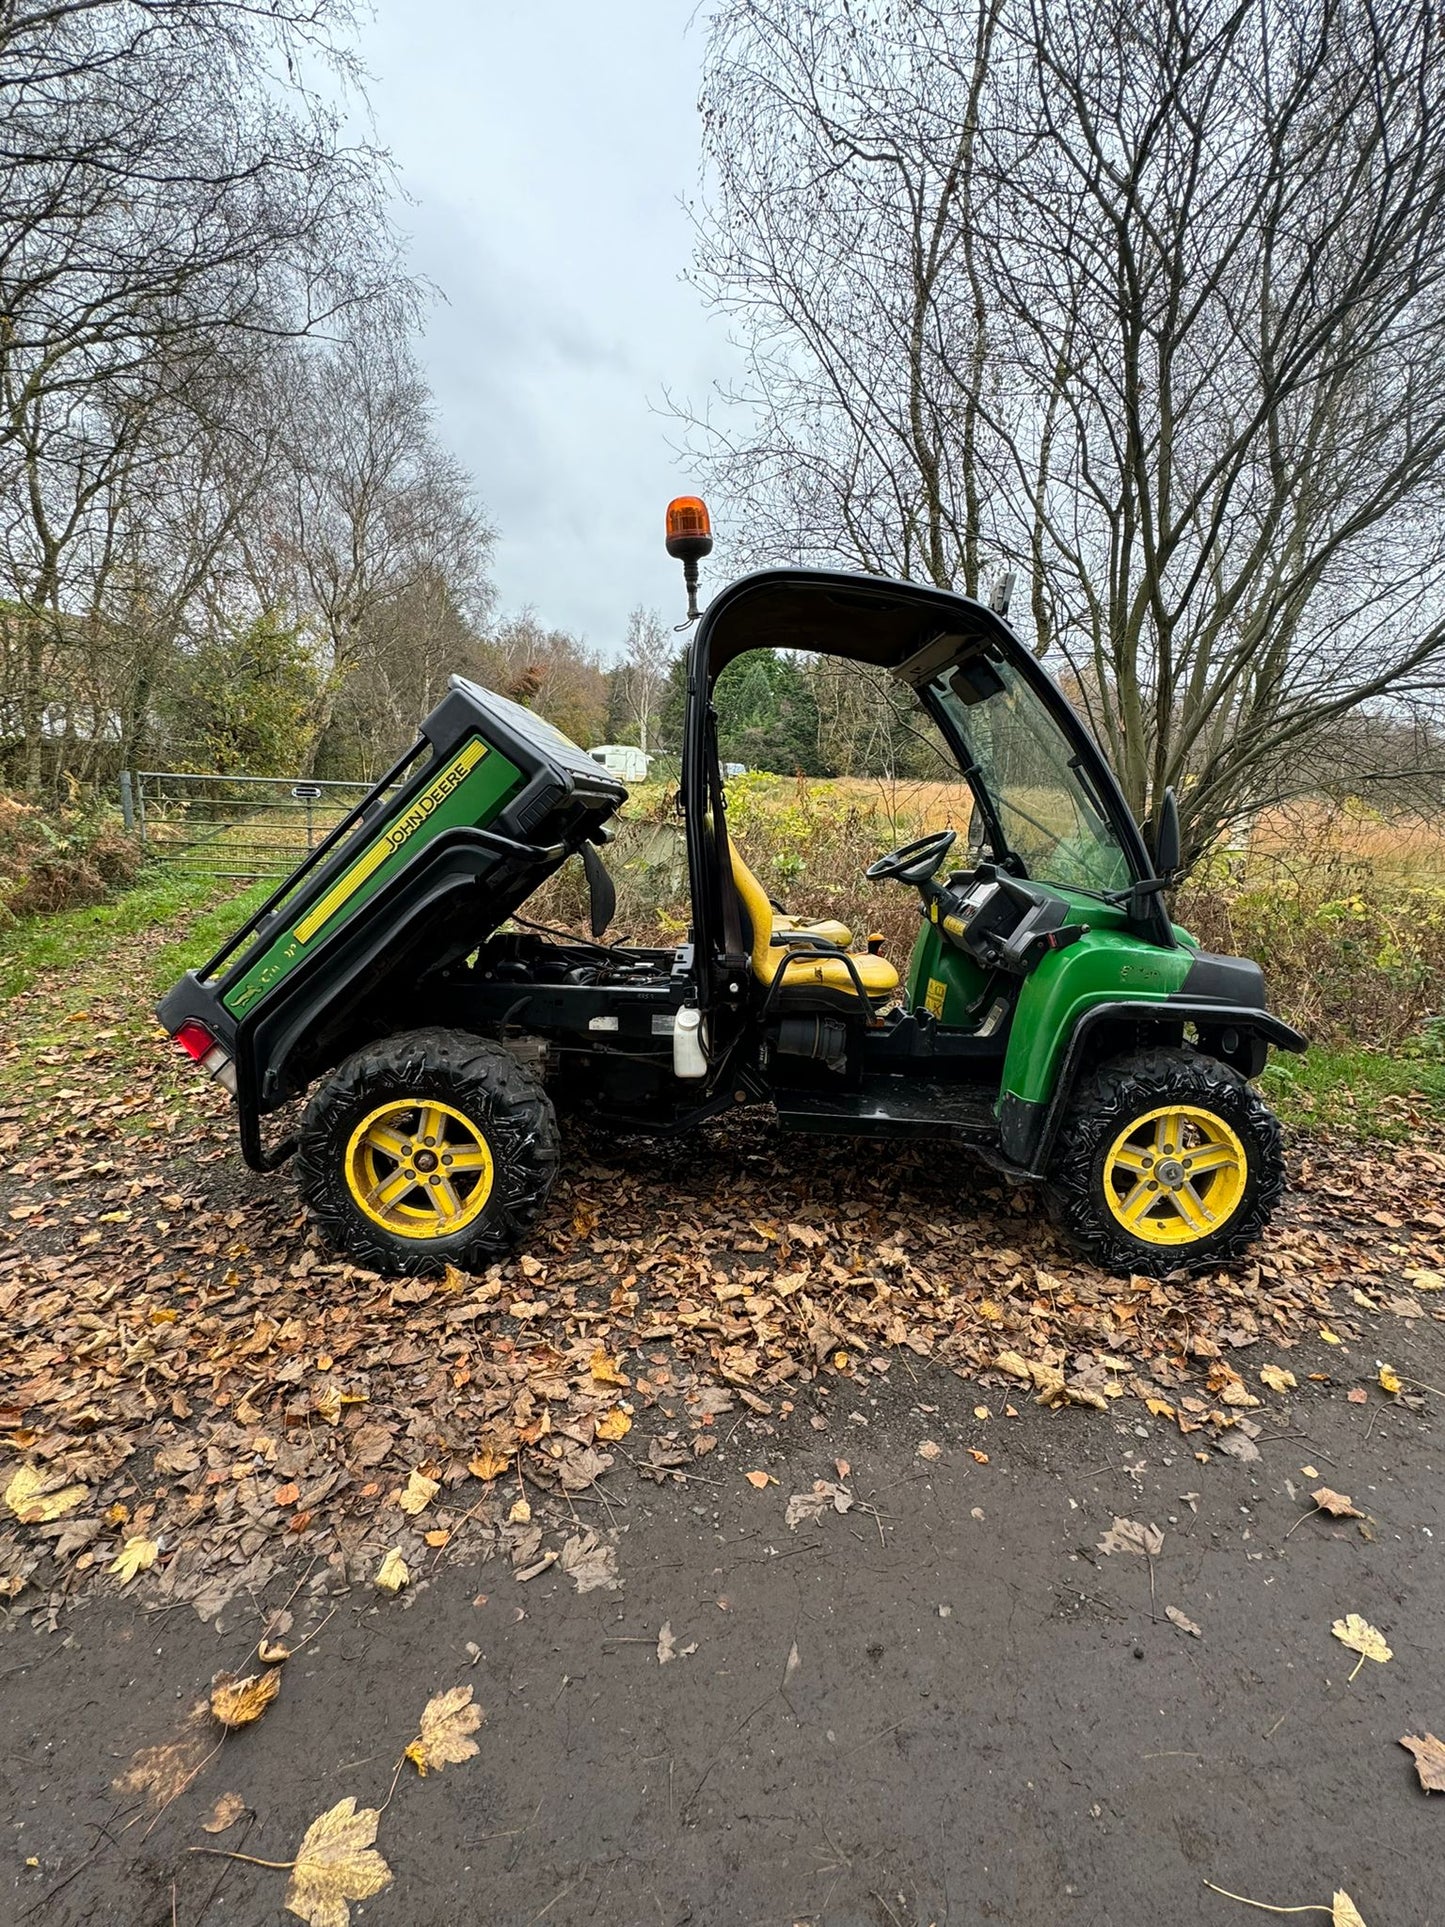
(1166, 837)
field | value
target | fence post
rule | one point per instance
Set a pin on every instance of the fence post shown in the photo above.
(127, 801)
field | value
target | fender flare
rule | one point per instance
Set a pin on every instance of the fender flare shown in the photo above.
(1027, 1130)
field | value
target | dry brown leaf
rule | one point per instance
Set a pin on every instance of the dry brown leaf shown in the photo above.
(1335, 1503)
(759, 1480)
(1362, 1638)
(38, 1498)
(1127, 1535)
(1277, 1378)
(668, 1648)
(1183, 1622)
(607, 1370)
(1015, 1365)
(1344, 1912)
(225, 1813)
(488, 1465)
(392, 1574)
(335, 1864)
(929, 1450)
(136, 1555)
(447, 1722)
(271, 1654)
(419, 1493)
(237, 1702)
(1429, 1760)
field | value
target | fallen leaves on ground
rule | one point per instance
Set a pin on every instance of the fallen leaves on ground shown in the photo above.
(37, 1498)
(1389, 1380)
(760, 1481)
(1362, 1638)
(419, 1493)
(1127, 1535)
(183, 1347)
(225, 1813)
(239, 1702)
(392, 1574)
(448, 1721)
(1177, 1617)
(1342, 1910)
(668, 1648)
(1277, 1378)
(1429, 1759)
(136, 1555)
(335, 1864)
(589, 1563)
(1337, 1504)
(825, 1497)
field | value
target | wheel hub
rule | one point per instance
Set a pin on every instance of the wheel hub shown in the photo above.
(419, 1168)
(1175, 1175)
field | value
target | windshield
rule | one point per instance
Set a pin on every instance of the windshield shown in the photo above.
(1046, 808)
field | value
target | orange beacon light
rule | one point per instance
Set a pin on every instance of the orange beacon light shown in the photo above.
(689, 538)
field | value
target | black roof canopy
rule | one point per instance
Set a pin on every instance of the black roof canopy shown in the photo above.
(867, 619)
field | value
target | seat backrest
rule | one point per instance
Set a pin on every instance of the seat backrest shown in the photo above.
(759, 913)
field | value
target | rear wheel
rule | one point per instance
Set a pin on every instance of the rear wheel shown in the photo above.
(1167, 1161)
(428, 1149)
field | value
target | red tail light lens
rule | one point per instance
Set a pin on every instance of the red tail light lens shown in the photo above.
(195, 1040)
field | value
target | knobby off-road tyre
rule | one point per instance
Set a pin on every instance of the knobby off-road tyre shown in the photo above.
(427, 1149)
(1167, 1161)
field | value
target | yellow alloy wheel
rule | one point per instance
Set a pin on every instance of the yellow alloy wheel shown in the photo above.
(1175, 1175)
(419, 1170)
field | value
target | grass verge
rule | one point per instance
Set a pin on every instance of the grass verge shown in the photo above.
(1357, 1093)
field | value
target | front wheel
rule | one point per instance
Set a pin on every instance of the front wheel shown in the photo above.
(428, 1149)
(1167, 1161)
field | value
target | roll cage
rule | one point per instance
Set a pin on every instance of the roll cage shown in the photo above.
(910, 631)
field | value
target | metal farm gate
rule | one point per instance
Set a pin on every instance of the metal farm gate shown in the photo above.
(232, 826)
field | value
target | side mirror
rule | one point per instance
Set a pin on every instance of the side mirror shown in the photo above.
(1166, 837)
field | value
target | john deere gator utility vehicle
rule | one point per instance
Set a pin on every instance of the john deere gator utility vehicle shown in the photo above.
(1051, 1019)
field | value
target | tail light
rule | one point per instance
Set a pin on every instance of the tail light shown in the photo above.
(197, 1042)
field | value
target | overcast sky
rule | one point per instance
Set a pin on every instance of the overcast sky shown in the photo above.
(547, 146)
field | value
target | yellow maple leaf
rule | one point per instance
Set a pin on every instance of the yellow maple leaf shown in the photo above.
(488, 1464)
(1012, 1363)
(1330, 1338)
(448, 1720)
(1389, 1379)
(1159, 1408)
(136, 1555)
(30, 1498)
(1277, 1378)
(419, 1493)
(1344, 1912)
(520, 1514)
(614, 1425)
(607, 1370)
(237, 1702)
(392, 1574)
(335, 1864)
(1362, 1638)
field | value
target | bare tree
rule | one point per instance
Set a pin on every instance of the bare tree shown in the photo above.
(1145, 299)
(642, 674)
(372, 523)
(168, 188)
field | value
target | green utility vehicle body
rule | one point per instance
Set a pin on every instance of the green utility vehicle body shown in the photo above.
(1048, 999)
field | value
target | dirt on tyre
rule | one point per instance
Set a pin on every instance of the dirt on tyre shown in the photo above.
(1168, 1160)
(430, 1148)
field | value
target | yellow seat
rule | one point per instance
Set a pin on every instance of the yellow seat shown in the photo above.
(827, 928)
(877, 976)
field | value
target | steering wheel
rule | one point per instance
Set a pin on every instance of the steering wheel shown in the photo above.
(913, 862)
